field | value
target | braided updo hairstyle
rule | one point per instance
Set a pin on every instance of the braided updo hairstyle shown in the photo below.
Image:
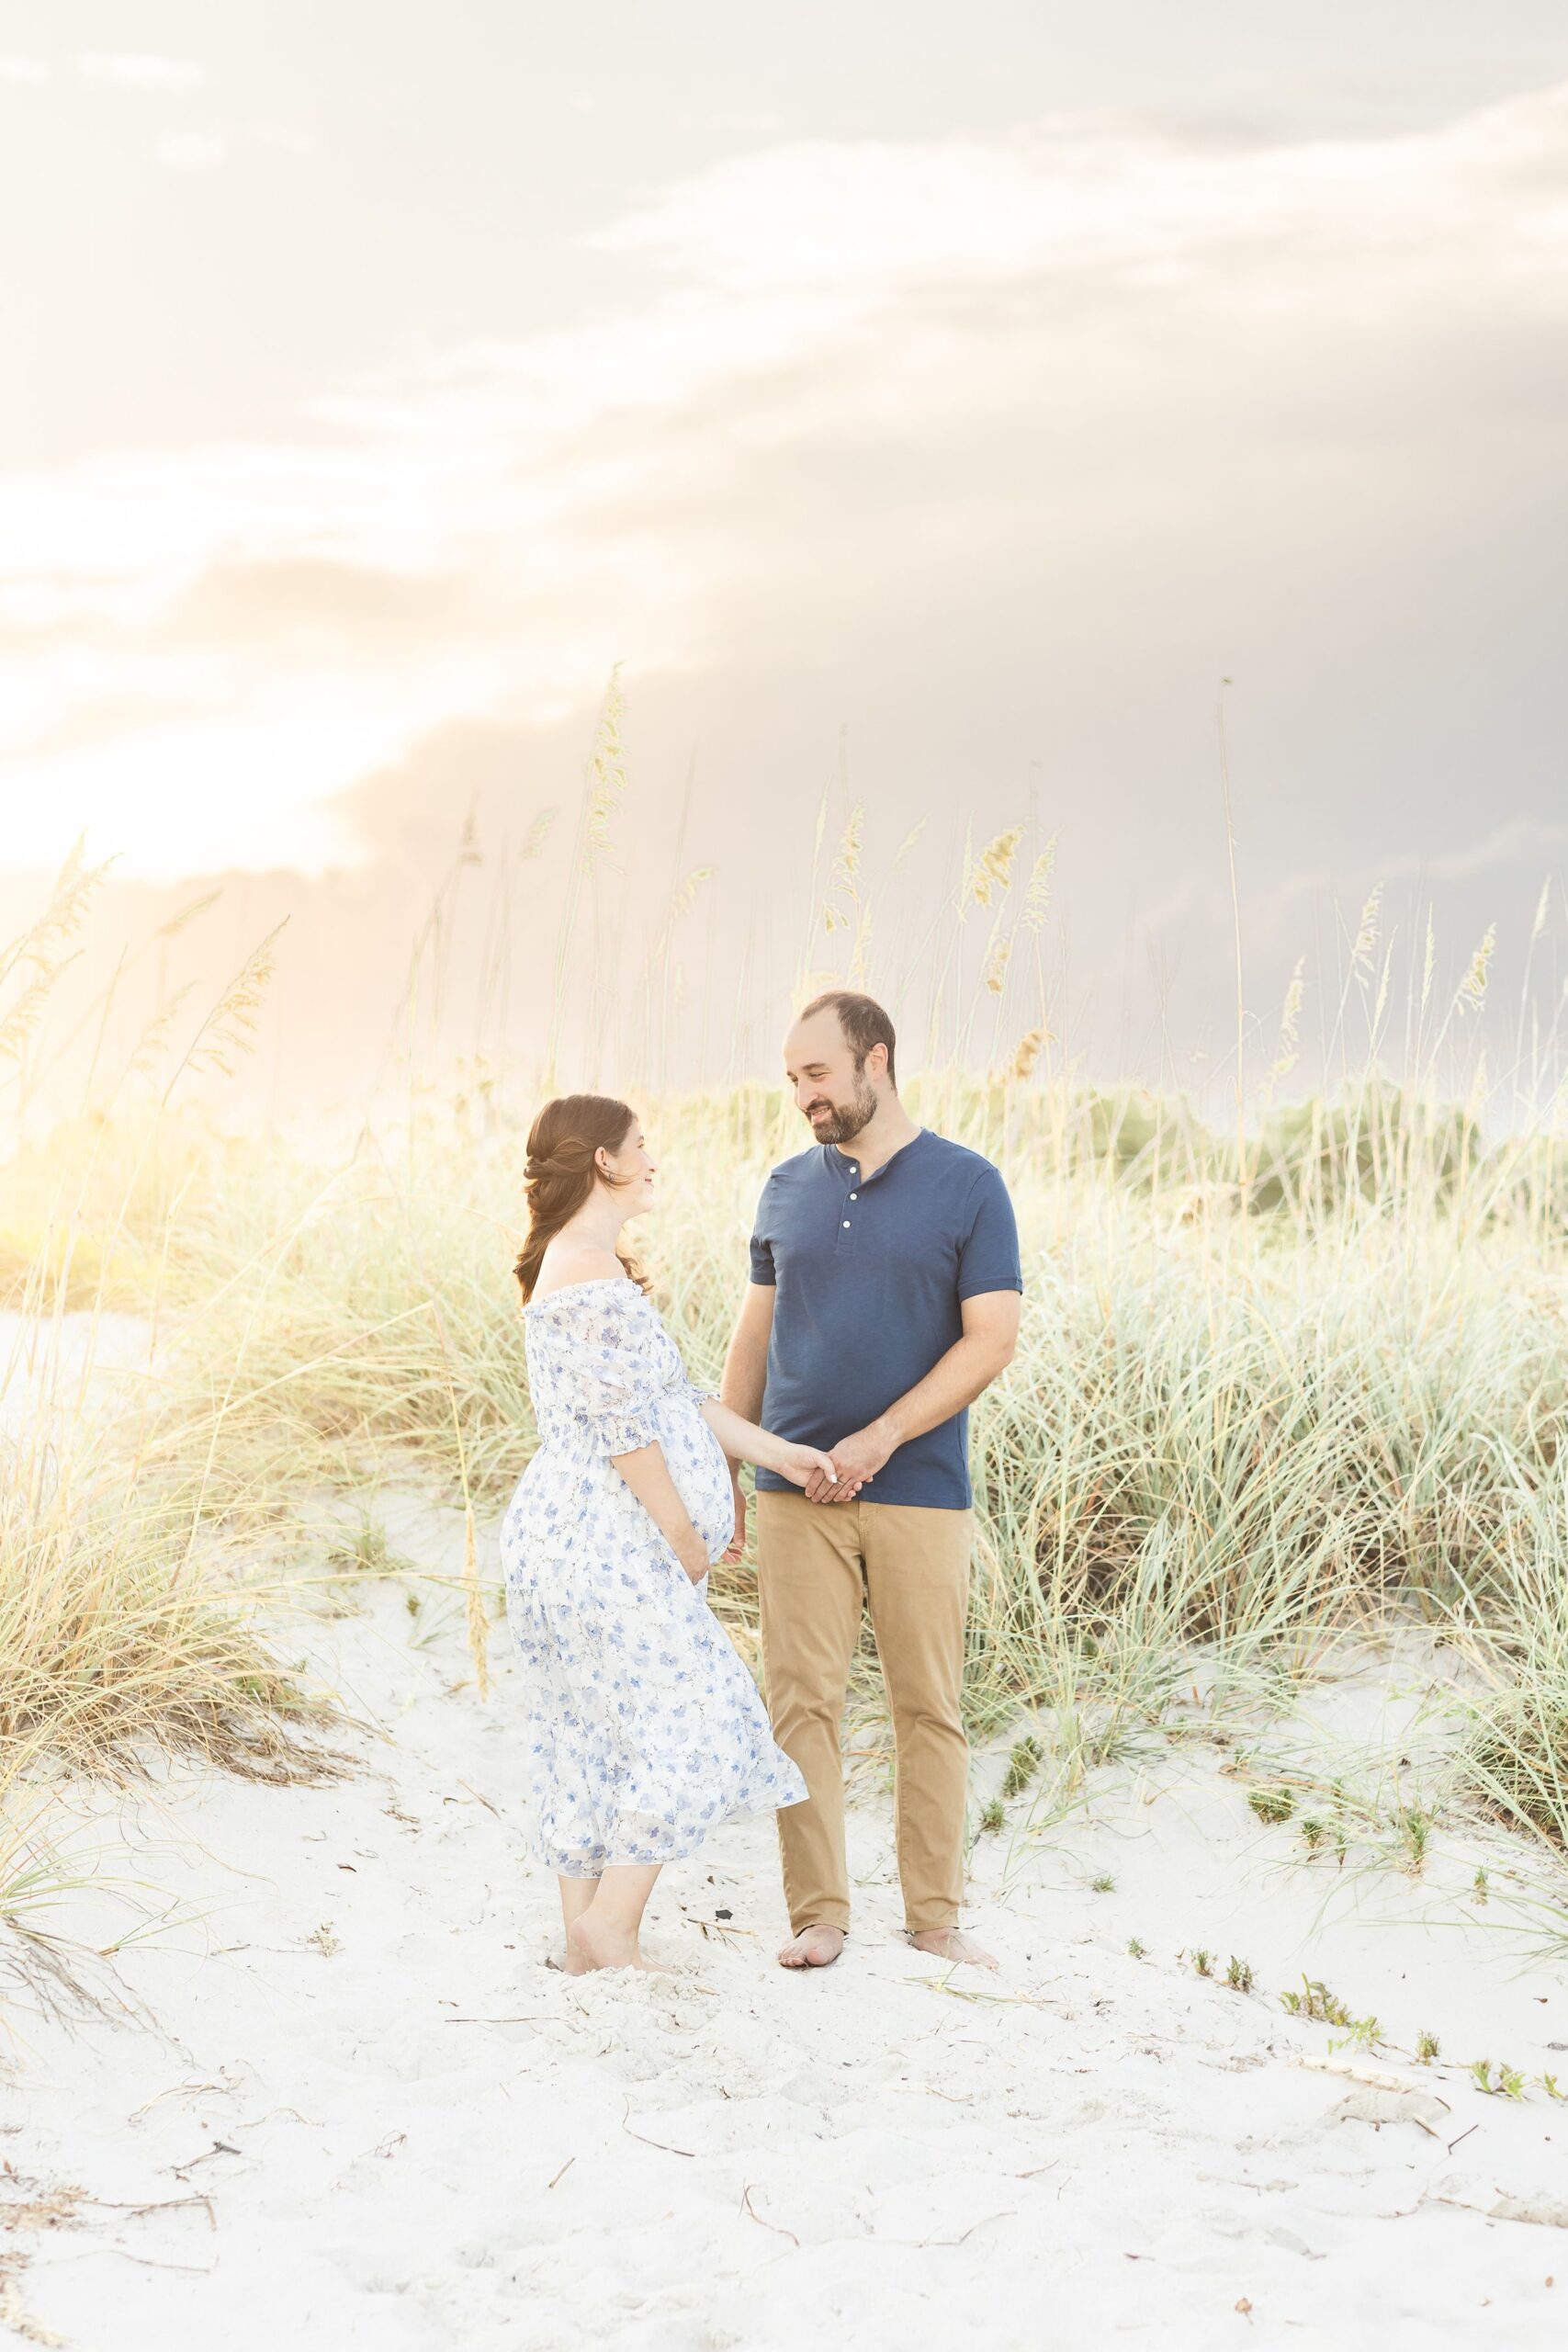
(560, 1172)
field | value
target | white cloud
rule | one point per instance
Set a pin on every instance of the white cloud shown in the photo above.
(1078, 384)
(121, 70)
(280, 134)
(202, 150)
(192, 150)
(1097, 191)
(33, 70)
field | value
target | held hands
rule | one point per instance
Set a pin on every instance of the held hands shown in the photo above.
(798, 1464)
(808, 1465)
(854, 1462)
(835, 1478)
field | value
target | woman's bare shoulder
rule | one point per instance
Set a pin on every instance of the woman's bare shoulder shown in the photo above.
(567, 1263)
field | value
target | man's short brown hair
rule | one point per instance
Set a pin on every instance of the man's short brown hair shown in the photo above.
(862, 1020)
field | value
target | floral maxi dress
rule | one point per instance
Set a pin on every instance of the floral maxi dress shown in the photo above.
(646, 1729)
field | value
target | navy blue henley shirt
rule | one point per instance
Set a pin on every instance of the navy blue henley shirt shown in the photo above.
(870, 1278)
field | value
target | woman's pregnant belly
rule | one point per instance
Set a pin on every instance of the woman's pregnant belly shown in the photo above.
(700, 1470)
(564, 1493)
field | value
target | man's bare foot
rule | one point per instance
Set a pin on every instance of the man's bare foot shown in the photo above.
(947, 1943)
(595, 1943)
(813, 1948)
(570, 1964)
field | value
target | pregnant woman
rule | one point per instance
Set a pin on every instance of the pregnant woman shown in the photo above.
(645, 1728)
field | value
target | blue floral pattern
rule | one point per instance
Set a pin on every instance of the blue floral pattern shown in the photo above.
(644, 1728)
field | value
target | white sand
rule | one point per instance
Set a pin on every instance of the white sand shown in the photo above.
(350, 2105)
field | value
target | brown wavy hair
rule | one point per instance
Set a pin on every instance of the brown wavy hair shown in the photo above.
(560, 1173)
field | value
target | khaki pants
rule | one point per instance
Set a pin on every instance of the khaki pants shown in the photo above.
(817, 1563)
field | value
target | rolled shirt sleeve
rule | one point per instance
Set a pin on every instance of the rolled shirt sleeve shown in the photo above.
(988, 1254)
(762, 1268)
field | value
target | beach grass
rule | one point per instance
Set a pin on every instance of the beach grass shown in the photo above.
(1234, 1436)
(1276, 1384)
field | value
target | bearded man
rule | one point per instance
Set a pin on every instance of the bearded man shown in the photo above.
(884, 1296)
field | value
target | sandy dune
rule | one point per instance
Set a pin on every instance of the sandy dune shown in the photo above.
(343, 2102)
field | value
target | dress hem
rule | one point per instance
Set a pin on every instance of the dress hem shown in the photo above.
(575, 1867)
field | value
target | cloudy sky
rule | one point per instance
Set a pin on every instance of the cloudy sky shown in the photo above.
(926, 407)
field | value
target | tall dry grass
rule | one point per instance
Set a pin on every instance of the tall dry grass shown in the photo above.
(128, 1615)
(1237, 1434)
(1304, 1374)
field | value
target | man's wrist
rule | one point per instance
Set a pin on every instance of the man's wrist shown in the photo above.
(887, 1430)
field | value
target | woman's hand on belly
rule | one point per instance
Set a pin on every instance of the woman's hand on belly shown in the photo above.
(694, 1558)
(652, 1479)
(703, 1480)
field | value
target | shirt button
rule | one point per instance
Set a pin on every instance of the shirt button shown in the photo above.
(854, 1196)
(846, 1224)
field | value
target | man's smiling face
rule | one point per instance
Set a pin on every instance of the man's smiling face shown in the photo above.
(836, 1097)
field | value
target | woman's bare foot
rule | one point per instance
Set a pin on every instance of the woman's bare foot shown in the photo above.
(813, 1948)
(947, 1943)
(597, 1943)
(570, 1964)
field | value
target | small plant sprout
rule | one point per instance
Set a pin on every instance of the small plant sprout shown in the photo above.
(994, 1815)
(1238, 1975)
(1103, 1884)
(1341, 1843)
(1314, 1832)
(365, 1550)
(1365, 2033)
(1272, 1804)
(1479, 1888)
(1415, 1833)
(1548, 2084)
(1316, 2001)
(1203, 1962)
(1023, 1765)
(1136, 1950)
(1508, 2083)
(1427, 2048)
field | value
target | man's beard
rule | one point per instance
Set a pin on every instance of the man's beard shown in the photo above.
(847, 1119)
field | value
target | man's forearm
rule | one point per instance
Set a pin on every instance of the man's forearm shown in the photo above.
(954, 1381)
(745, 1378)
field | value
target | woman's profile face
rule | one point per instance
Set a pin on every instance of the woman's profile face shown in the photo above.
(632, 1170)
